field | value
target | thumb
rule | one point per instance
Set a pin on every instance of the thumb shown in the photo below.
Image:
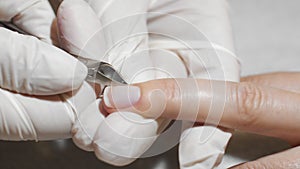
(33, 67)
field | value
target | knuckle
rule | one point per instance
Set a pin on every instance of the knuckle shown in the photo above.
(249, 99)
(171, 90)
(163, 94)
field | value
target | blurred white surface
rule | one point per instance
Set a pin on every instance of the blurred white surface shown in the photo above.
(267, 34)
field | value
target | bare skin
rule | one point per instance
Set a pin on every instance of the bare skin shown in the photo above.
(267, 104)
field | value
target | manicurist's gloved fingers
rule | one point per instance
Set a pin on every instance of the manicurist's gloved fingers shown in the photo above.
(284, 160)
(25, 117)
(124, 29)
(283, 80)
(33, 67)
(126, 36)
(34, 17)
(114, 32)
(80, 30)
(258, 109)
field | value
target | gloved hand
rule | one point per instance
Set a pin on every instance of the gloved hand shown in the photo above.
(33, 72)
(117, 32)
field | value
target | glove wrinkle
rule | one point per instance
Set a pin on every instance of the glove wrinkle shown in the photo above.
(23, 128)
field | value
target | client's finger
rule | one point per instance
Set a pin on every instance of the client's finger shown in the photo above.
(285, 160)
(283, 80)
(263, 110)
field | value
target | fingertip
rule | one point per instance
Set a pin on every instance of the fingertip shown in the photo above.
(67, 26)
(78, 29)
(105, 110)
(86, 125)
(107, 98)
(80, 74)
(123, 128)
(65, 73)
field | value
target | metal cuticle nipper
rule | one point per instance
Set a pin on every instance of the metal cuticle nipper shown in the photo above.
(103, 74)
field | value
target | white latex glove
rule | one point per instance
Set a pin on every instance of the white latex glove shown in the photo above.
(31, 66)
(211, 58)
(116, 32)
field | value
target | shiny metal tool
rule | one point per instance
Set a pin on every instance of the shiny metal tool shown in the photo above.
(102, 73)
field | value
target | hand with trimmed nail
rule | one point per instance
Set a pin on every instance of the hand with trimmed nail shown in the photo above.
(265, 104)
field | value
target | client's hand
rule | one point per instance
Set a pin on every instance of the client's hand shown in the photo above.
(264, 104)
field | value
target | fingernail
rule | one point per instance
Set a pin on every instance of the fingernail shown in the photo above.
(121, 96)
